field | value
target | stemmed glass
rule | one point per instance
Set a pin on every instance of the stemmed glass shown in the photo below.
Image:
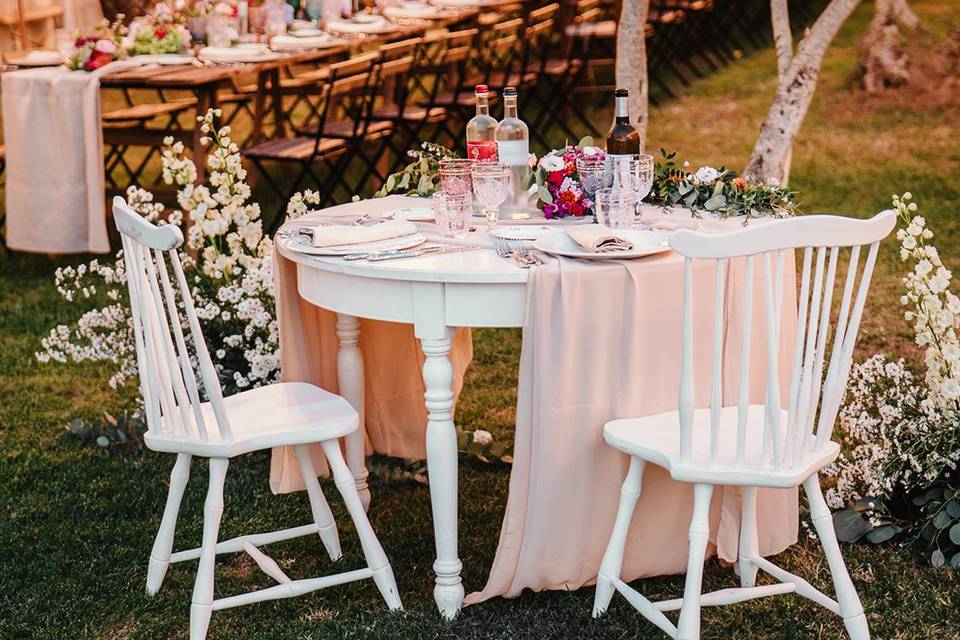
(314, 10)
(642, 172)
(491, 183)
(592, 171)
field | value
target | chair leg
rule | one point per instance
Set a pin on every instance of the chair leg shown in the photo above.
(688, 627)
(850, 607)
(318, 504)
(613, 557)
(372, 551)
(201, 607)
(163, 545)
(748, 538)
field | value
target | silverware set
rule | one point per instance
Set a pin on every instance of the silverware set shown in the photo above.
(516, 250)
(378, 256)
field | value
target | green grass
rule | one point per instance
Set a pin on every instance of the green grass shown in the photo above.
(77, 522)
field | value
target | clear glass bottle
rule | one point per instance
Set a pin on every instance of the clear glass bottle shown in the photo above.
(481, 144)
(513, 149)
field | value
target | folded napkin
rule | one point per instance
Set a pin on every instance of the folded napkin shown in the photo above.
(342, 234)
(38, 58)
(303, 42)
(598, 239)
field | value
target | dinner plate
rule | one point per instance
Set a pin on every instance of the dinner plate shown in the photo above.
(301, 244)
(257, 53)
(526, 232)
(645, 243)
(413, 214)
(378, 26)
(413, 10)
(171, 59)
(308, 32)
(37, 58)
(301, 43)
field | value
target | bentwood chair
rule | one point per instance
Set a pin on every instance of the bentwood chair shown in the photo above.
(285, 414)
(779, 444)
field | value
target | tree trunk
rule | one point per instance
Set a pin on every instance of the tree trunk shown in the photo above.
(631, 65)
(795, 93)
(883, 62)
(783, 44)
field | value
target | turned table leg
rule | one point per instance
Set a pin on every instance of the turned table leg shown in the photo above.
(350, 374)
(442, 467)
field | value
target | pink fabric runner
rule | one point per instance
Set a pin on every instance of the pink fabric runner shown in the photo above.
(54, 143)
(601, 340)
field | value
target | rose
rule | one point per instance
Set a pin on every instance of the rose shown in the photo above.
(224, 9)
(706, 175)
(97, 59)
(550, 163)
(549, 210)
(555, 178)
(107, 47)
(591, 151)
(740, 182)
(160, 33)
(482, 437)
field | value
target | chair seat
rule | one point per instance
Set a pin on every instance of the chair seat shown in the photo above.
(602, 29)
(301, 148)
(147, 111)
(656, 439)
(410, 113)
(497, 80)
(286, 413)
(344, 128)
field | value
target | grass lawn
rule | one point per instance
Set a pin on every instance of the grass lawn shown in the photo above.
(77, 522)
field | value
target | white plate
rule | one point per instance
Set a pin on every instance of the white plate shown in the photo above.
(166, 59)
(414, 10)
(309, 32)
(645, 243)
(256, 53)
(413, 214)
(526, 232)
(301, 244)
(380, 26)
(37, 58)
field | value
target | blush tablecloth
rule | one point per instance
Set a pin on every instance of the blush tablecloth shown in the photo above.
(601, 340)
(55, 199)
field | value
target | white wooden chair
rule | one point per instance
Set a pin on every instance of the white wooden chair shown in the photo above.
(220, 428)
(759, 445)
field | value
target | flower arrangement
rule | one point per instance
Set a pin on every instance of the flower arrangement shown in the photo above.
(422, 176)
(898, 473)
(158, 32)
(102, 45)
(721, 192)
(231, 275)
(559, 190)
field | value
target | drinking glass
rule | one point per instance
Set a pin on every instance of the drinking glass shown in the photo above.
(643, 171)
(615, 207)
(491, 183)
(314, 10)
(452, 214)
(593, 174)
(455, 176)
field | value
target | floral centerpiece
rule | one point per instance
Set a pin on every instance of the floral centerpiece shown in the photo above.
(560, 193)
(720, 192)
(161, 31)
(100, 46)
(899, 472)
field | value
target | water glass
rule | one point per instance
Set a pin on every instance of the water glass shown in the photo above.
(452, 214)
(220, 30)
(65, 40)
(491, 183)
(616, 207)
(593, 174)
(455, 176)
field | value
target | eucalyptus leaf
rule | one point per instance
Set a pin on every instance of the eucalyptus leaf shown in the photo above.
(850, 525)
(103, 441)
(955, 560)
(691, 199)
(685, 188)
(391, 182)
(942, 520)
(718, 188)
(953, 508)
(545, 195)
(937, 558)
(404, 180)
(714, 203)
(425, 185)
(883, 533)
(955, 534)
(585, 141)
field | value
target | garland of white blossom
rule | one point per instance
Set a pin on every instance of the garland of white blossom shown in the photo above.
(232, 274)
(900, 432)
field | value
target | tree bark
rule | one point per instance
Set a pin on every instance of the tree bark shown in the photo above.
(883, 62)
(783, 45)
(631, 62)
(795, 92)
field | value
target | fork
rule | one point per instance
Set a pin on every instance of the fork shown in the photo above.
(516, 250)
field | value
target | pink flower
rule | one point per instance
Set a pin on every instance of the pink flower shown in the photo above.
(549, 210)
(108, 47)
(532, 160)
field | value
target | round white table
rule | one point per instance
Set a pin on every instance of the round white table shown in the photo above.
(436, 294)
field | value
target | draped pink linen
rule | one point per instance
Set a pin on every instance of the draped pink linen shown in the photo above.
(601, 340)
(395, 414)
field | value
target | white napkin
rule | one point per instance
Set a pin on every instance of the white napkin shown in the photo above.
(303, 42)
(598, 239)
(412, 10)
(38, 58)
(236, 54)
(377, 26)
(342, 234)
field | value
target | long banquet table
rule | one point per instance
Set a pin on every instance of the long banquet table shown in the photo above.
(438, 295)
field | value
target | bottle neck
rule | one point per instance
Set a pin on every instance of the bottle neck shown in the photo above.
(510, 107)
(483, 105)
(622, 112)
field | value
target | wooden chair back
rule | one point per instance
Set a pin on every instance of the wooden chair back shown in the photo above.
(353, 87)
(168, 382)
(500, 47)
(813, 400)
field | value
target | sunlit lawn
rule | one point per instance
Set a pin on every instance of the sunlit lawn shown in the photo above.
(77, 523)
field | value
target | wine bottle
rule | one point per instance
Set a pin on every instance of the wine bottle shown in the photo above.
(622, 139)
(481, 144)
(513, 149)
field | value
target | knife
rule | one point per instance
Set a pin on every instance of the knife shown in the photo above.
(410, 253)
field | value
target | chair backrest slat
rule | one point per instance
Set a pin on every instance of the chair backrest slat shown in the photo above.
(167, 378)
(802, 421)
